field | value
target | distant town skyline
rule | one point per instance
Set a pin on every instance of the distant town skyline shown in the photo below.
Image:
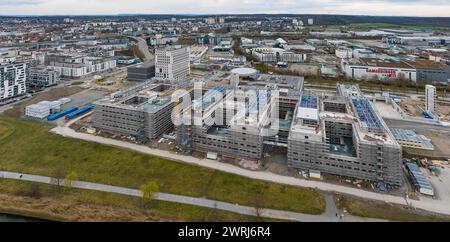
(420, 8)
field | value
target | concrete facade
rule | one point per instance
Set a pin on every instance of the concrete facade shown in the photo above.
(143, 111)
(13, 80)
(172, 63)
(344, 139)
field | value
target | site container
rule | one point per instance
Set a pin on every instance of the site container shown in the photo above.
(79, 112)
(61, 114)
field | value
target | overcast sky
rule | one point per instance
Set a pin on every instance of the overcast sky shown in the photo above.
(434, 8)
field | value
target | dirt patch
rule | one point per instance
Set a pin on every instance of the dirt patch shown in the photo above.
(60, 210)
(411, 106)
(441, 143)
(444, 111)
(52, 95)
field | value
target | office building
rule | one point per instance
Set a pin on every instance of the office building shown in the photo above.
(172, 63)
(142, 111)
(141, 72)
(346, 137)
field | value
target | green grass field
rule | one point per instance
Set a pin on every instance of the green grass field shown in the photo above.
(32, 149)
(157, 209)
(373, 209)
(5, 130)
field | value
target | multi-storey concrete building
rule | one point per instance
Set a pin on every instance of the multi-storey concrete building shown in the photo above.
(344, 136)
(141, 72)
(79, 66)
(430, 99)
(13, 80)
(172, 63)
(238, 121)
(43, 77)
(143, 111)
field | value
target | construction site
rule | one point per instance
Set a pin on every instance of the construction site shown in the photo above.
(335, 134)
(142, 111)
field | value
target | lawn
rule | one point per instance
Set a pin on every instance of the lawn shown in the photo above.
(97, 206)
(5, 130)
(380, 210)
(32, 149)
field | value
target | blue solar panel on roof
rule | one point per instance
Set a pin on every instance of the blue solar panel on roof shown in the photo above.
(366, 114)
(308, 101)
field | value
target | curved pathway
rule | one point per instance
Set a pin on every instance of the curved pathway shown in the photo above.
(328, 216)
(437, 206)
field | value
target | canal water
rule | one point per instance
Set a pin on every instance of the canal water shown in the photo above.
(14, 218)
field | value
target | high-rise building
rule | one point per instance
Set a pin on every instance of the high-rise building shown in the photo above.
(430, 99)
(210, 21)
(172, 63)
(310, 21)
(221, 20)
(13, 78)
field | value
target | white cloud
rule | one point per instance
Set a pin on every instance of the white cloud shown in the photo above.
(366, 7)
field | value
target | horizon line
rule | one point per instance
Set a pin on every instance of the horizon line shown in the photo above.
(206, 14)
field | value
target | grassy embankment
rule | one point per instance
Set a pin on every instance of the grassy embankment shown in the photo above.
(373, 209)
(36, 151)
(57, 204)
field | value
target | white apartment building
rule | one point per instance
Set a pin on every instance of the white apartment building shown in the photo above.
(269, 54)
(210, 21)
(13, 78)
(430, 99)
(89, 65)
(43, 77)
(172, 63)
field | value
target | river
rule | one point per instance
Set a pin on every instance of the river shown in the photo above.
(14, 218)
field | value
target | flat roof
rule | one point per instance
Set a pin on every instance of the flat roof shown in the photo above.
(308, 113)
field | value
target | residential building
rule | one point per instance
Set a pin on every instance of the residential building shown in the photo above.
(13, 80)
(430, 99)
(43, 77)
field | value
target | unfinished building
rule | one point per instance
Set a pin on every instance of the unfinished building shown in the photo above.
(251, 115)
(142, 111)
(344, 136)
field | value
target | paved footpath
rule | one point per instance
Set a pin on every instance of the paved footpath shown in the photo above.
(328, 216)
(437, 206)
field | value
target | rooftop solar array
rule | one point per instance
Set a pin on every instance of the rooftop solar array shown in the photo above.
(366, 115)
(409, 135)
(308, 101)
(418, 177)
